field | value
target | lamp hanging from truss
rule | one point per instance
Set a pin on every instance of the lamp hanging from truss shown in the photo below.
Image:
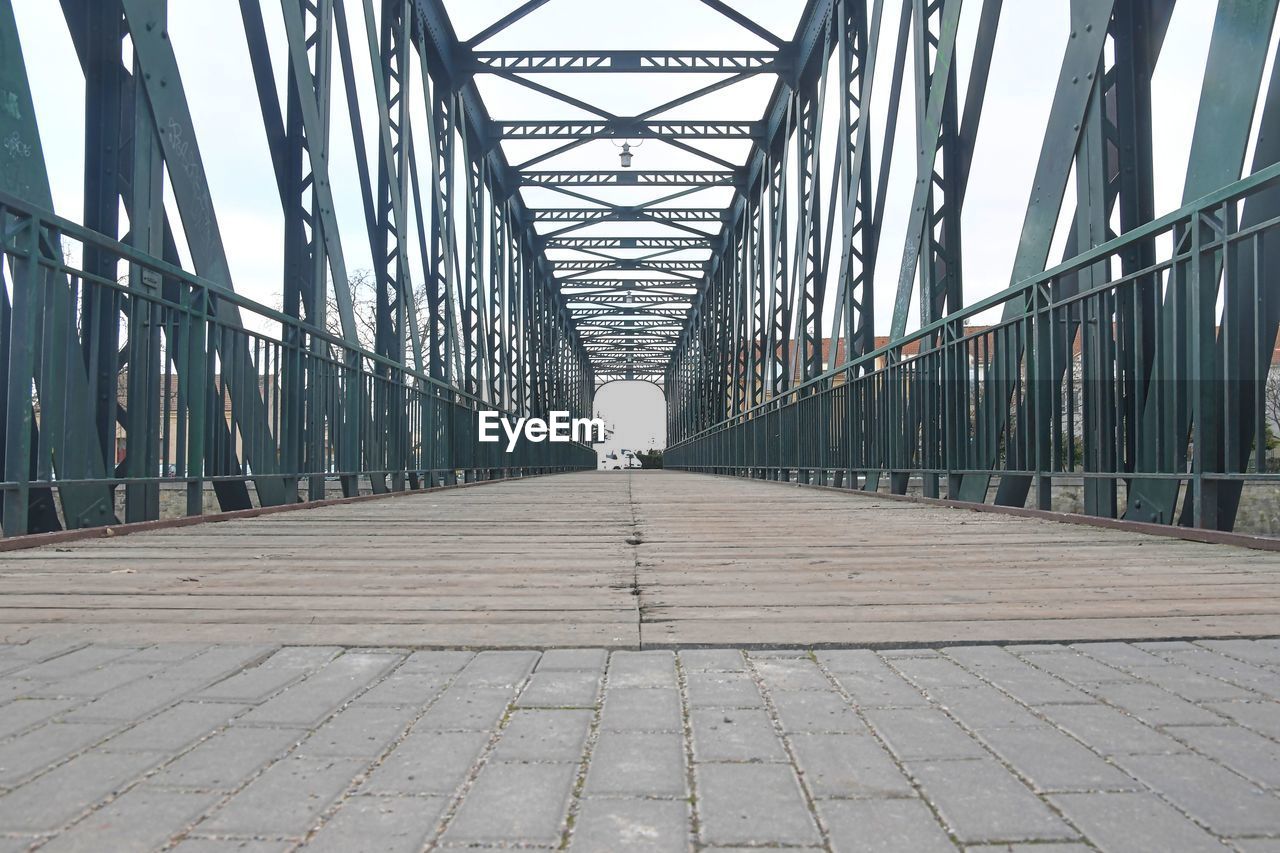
(627, 152)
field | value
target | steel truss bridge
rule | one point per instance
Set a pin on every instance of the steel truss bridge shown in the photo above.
(1135, 361)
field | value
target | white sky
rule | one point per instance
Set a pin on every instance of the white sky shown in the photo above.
(210, 44)
(635, 414)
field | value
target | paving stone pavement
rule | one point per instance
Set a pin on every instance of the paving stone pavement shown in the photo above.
(1161, 746)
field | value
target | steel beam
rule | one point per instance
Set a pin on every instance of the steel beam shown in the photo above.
(43, 348)
(629, 61)
(686, 178)
(625, 128)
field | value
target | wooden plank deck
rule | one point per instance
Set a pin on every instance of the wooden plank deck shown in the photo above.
(627, 559)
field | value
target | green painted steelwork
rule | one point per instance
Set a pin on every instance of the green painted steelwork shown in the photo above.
(744, 282)
(190, 406)
(846, 425)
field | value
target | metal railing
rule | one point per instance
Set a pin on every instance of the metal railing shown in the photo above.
(1140, 367)
(153, 378)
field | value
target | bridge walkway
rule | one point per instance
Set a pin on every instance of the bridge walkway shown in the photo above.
(628, 560)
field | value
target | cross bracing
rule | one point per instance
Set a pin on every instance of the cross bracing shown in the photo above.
(579, 130)
(619, 214)
(630, 264)
(620, 61)
(687, 178)
(538, 218)
(629, 243)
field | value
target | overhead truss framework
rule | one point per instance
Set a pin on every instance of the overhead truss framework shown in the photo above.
(1134, 372)
(504, 276)
(123, 369)
(587, 233)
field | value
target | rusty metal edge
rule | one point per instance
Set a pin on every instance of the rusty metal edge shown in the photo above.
(37, 540)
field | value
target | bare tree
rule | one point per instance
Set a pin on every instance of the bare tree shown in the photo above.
(1271, 411)
(1271, 399)
(364, 300)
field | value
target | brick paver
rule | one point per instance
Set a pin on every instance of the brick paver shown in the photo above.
(203, 749)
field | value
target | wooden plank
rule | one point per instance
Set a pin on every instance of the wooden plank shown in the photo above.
(547, 562)
(908, 634)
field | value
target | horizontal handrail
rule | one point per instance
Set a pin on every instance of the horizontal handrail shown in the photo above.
(1260, 180)
(129, 253)
(163, 377)
(1138, 366)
